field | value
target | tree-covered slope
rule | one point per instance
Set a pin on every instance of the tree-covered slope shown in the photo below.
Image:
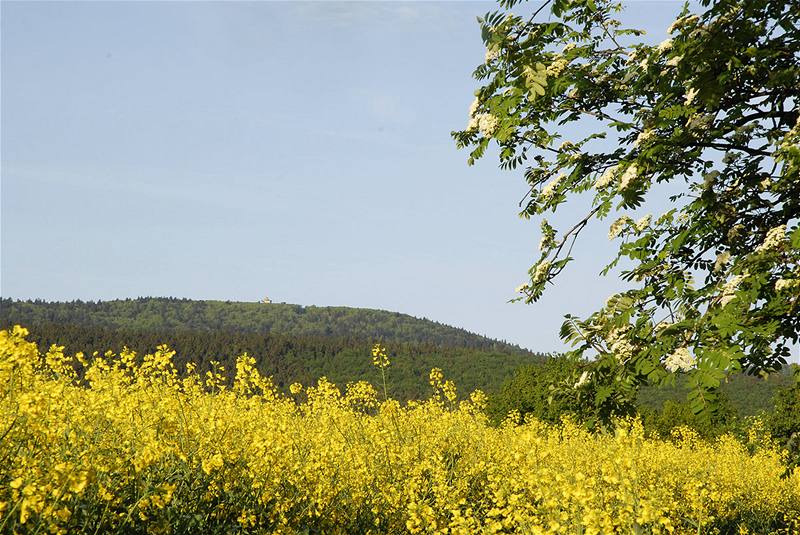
(289, 342)
(277, 318)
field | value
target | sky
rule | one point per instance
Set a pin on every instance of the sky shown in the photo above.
(296, 150)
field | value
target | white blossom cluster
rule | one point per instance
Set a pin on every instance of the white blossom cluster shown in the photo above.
(690, 96)
(729, 289)
(661, 325)
(488, 124)
(541, 271)
(583, 379)
(473, 112)
(774, 239)
(606, 178)
(550, 188)
(491, 54)
(643, 223)
(631, 172)
(722, 259)
(617, 226)
(557, 67)
(679, 23)
(786, 284)
(619, 345)
(673, 61)
(642, 138)
(680, 359)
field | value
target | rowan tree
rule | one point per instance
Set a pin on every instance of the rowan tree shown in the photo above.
(713, 110)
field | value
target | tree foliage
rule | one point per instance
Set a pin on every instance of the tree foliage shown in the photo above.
(547, 392)
(711, 114)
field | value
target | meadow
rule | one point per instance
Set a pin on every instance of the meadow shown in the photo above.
(128, 443)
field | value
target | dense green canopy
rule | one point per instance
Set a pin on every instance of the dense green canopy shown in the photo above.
(715, 280)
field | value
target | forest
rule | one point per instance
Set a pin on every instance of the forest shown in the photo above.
(292, 343)
(289, 342)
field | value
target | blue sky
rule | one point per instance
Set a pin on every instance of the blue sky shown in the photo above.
(296, 150)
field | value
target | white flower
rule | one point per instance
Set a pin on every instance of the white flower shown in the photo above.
(729, 289)
(566, 145)
(785, 284)
(643, 223)
(664, 46)
(488, 124)
(583, 379)
(722, 259)
(545, 242)
(551, 186)
(541, 271)
(606, 178)
(557, 67)
(521, 288)
(622, 349)
(774, 239)
(673, 61)
(680, 359)
(690, 96)
(642, 138)
(473, 119)
(473, 108)
(682, 21)
(617, 226)
(630, 173)
(491, 54)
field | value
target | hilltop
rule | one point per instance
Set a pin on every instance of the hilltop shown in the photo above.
(290, 342)
(159, 313)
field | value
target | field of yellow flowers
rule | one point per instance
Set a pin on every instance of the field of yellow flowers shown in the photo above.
(123, 443)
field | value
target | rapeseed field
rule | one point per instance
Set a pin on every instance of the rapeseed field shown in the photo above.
(120, 443)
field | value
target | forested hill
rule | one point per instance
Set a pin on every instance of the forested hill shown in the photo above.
(290, 343)
(277, 318)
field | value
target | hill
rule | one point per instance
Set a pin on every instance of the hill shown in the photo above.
(289, 342)
(151, 313)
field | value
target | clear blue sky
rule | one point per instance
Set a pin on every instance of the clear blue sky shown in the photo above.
(296, 150)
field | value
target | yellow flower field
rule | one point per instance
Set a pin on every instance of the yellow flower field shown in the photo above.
(127, 444)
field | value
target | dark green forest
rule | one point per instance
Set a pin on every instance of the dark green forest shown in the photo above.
(167, 313)
(295, 343)
(289, 342)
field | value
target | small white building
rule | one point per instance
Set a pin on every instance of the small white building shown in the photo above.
(266, 300)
